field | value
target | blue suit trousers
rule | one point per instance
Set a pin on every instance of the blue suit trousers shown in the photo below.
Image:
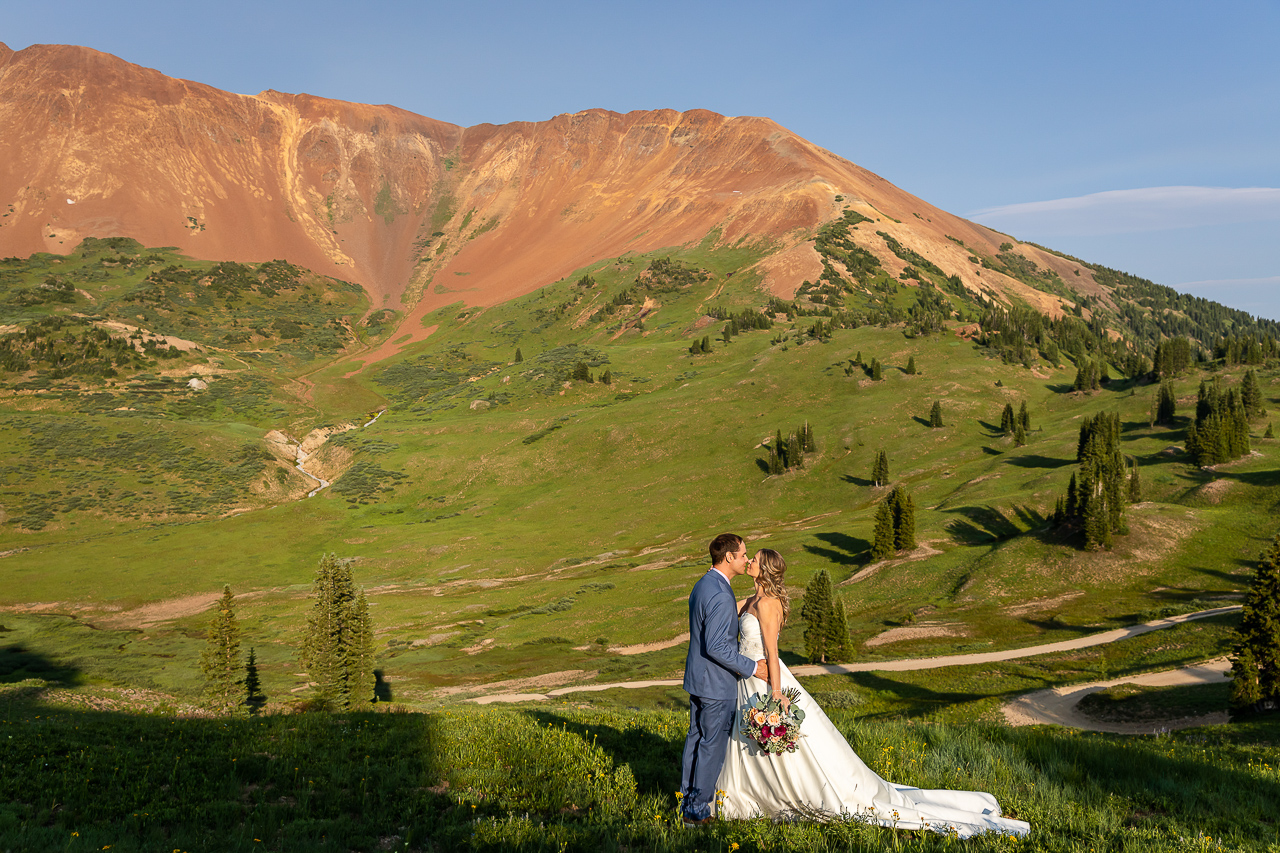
(710, 723)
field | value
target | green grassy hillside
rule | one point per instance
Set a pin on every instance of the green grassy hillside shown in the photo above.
(511, 521)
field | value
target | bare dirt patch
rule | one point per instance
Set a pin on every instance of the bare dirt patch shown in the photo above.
(641, 648)
(162, 611)
(522, 685)
(1042, 604)
(918, 632)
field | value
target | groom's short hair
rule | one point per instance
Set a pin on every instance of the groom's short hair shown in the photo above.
(722, 546)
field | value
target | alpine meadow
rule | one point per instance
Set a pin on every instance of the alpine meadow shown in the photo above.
(381, 536)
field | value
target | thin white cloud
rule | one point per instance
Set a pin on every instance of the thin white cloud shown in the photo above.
(1132, 211)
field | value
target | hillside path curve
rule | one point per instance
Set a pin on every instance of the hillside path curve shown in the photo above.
(908, 664)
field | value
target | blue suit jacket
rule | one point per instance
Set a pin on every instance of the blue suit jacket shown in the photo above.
(714, 666)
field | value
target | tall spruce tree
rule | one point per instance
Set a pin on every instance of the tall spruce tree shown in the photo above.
(1166, 404)
(839, 648)
(220, 660)
(935, 415)
(254, 698)
(882, 544)
(337, 649)
(880, 469)
(1006, 419)
(519, 356)
(1251, 394)
(1255, 663)
(911, 366)
(816, 612)
(903, 511)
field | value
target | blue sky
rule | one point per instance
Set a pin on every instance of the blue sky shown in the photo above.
(1144, 136)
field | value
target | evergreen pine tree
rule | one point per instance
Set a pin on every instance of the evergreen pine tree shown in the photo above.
(706, 343)
(1024, 417)
(883, 543)
(1255, 665)
(338, 638)
(857, 359)
(1166, 404)
(1251, 394)
(1270, 433)
(935, 415)
(254, 698)
(1006, 419)
(816, 612)
(1135, 482)
(810, 445)
(911, 366)
(880, 469)
(775, 461)
(1019, 436)
(877, 373)
(839, 649)
(220, 660)
(519, 356)
(794, 451)
(903, 510)
(607, 378)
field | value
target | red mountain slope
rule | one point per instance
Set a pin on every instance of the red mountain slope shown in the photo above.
(96, 146)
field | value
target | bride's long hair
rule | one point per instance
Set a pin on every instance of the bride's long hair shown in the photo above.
(773, 570)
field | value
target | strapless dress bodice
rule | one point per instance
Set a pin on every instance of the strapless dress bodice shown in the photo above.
(750, 637)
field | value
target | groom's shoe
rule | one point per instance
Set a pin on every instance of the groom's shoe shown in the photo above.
(690, 823)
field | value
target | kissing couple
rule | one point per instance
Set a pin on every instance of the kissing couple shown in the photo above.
(733, 655)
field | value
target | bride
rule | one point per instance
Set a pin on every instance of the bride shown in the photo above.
(824, 776)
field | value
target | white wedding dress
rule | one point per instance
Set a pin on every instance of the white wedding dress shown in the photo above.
(824, 777)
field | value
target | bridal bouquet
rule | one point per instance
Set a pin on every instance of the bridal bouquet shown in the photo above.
(764, 721)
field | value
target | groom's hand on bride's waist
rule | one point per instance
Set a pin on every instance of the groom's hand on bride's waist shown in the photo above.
(762, 670)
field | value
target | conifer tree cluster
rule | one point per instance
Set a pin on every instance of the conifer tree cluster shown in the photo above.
(1094, 501)
(895, 528)
(1255, 660)
(582, 373)
(1172, 356)
(700, 347)
(1090, 375)
(875, 370)
(880, 469)
(1221, 430)
(1017, 425)
(826, 633)
(789, 452)
(337, 649)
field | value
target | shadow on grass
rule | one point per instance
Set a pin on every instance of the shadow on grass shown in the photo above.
(857, 481)
(982, 524)
(18, 663)
(845, 550)
(1038, 461)
(654, 759)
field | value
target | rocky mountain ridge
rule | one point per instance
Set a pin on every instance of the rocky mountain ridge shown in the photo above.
(422, 213)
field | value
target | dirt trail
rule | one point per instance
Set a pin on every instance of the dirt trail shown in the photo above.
(1058, 705)
(1028, 711)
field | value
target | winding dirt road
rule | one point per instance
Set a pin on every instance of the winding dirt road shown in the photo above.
(1055, 706)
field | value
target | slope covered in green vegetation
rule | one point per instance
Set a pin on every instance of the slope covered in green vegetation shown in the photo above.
(513, 515)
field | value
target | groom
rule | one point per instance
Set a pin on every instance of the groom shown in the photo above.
(711, 673)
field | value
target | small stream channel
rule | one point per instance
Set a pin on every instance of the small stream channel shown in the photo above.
(303, 457)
